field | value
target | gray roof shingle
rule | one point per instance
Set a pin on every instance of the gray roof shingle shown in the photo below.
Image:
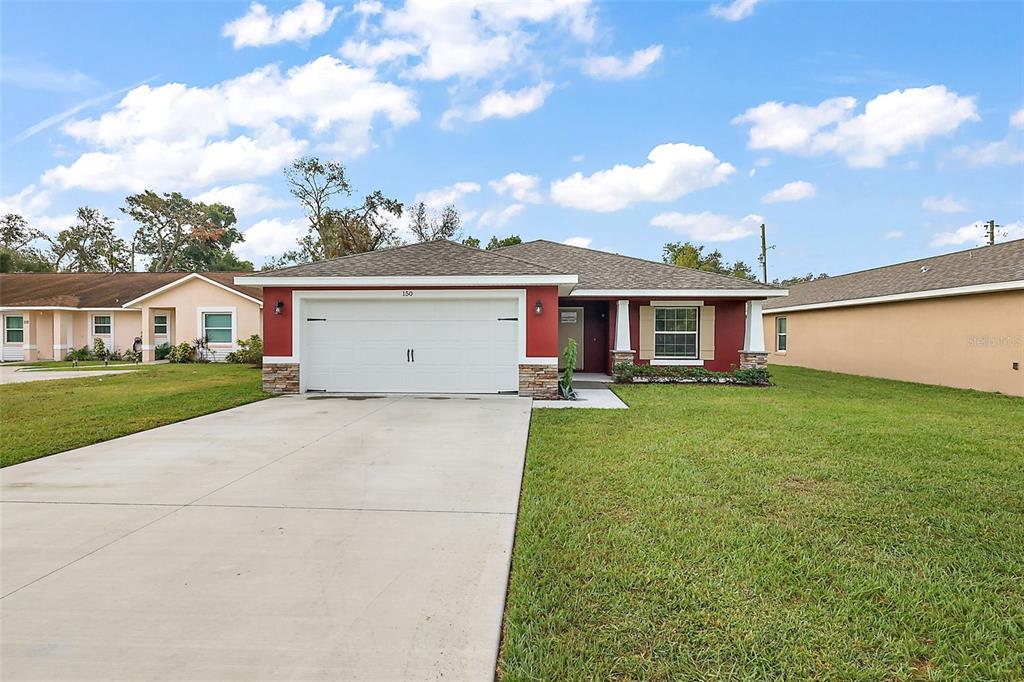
(428, 259)
(983, 265)
(97, 289)
(604, 270)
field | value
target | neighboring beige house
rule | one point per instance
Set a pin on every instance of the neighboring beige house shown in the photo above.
(954, 320)
(47, 314)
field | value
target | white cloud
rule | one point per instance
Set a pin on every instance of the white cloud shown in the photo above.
(179, 136)
(890, 124)
(374, 54)
(1017, 119)
(496, 218)
(470, 39)
(583, 242)
(975, 234)
(520, 186)
(258, 27)
(32, 203)
(946, 204)
(578, 158)
(735, 10)
(439, 198)
(894, 234)
(617, 68)
(709, 227)
(673, 170)
(246, 198)
(270, 238)
(501, 104)
(791, 191)
(40, 76)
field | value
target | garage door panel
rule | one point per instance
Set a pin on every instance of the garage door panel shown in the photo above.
(460, 345)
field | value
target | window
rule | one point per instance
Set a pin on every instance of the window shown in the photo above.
(14, 329)
(780, 334)
(101, 325)
(675, 332)
(217, 327)
(160, 324)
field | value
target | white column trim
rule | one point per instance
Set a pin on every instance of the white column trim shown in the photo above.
(753, 335)
(622, 342)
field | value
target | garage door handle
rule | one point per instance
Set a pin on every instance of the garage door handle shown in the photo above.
(413, 351)
(407, 355)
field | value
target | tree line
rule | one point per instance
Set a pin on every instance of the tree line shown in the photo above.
(690, 255)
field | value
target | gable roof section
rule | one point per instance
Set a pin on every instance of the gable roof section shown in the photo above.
(437, 259)
(601, 271)
(98, 289)
(986, 268)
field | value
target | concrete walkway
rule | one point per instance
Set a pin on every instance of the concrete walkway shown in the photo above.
(20, 375)
(296, 538)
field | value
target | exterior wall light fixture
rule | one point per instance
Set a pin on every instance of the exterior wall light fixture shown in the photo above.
(279, 307)
(538, 307)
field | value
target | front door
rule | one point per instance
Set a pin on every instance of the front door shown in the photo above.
(570, 326)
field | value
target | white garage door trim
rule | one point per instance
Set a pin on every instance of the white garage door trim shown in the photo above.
(299, 298)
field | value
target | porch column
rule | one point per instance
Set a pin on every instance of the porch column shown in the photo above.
(60, 334)
(148, 353)
(753, 354)
(28, 343)
(622, 351)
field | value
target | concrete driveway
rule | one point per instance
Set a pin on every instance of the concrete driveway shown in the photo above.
(298, 538)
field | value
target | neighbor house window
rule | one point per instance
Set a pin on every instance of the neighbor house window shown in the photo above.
(159, 324)
(780, 333)
(101, 325)
(217, 327)
(675, 332)
(14, 329)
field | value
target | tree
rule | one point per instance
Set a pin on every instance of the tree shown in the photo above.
(166, 226)
(16, 251)
(430, 228)
(809, 277)
(90, 245)
(337, 232)
(209, 247)
(471, 242)
(495, 243)
(689, 255)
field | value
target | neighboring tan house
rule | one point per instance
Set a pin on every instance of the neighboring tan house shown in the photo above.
(954, 320)
(440, 317)
(47, 314)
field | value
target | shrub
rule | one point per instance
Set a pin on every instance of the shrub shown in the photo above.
(628, 373)
(99, 349)
(131, 356)
(161, 351)
(183, 352)
(80, 354)
(569, 356)
(250, 352)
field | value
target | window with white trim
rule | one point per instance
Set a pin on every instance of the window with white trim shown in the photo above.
(160, 324)
(101, 325)
(217, 327)
(14, 329)
(675, 332)
(780, 334)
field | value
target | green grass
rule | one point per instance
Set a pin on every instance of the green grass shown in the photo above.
(43, 417)
(831, 527)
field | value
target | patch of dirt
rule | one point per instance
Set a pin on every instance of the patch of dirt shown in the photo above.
(921, 667)
(799, 485)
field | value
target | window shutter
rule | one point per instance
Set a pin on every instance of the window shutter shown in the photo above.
(646, 332)
(707, 332)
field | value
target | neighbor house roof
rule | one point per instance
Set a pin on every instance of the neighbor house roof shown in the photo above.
(97, 289)
(986, 268)
(601, 271)
(437, 259)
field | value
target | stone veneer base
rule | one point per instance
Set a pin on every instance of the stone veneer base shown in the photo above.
(619, 356)
(538, 381)
(753, 360)
(282, 378)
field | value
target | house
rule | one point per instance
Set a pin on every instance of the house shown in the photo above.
(955, 320)
(446, 318)
(47, 314)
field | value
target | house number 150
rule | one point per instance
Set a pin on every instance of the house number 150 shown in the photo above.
(406, 293)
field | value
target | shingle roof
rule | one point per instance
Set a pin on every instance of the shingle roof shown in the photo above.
(96, 289)
(427, 259)
(604, 270)
(984, 265)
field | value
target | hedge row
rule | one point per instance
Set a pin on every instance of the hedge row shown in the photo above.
(629, 373)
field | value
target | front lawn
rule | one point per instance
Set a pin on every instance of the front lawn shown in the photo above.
(831, 527)
(43, 417)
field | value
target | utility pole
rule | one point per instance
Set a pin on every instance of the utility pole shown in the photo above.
(763, 258)
(990, 232)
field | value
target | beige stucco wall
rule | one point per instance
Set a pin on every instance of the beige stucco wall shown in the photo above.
(960, 341)
(185, 300)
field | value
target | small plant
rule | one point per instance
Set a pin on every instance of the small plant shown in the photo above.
(161, 351)
(79, 354)
(131, 356)
(99, 349)
(183, 352)
(250, 352)
(569, 356)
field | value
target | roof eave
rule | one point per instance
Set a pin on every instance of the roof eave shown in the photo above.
(908, 296)
(689, 293)
(421, 280)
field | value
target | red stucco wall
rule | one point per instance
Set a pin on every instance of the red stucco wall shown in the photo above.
(729, 323)
(541, 330)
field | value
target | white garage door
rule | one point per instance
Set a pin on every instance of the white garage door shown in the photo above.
(410, 345)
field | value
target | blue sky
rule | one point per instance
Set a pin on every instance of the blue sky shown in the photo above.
(861, 133)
